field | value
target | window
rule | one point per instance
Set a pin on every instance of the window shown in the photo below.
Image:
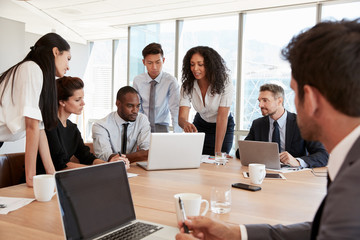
(98, 84)
(339, 11)
(140, 36)
(120, 66)
(219, 33)
(265, 34)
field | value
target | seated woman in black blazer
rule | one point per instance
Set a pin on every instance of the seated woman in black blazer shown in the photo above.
(65, 139)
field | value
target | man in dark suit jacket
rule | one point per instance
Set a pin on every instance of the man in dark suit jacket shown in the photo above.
(325, 64)
(294, 150)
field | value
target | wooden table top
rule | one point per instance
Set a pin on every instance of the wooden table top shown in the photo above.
(280, 201)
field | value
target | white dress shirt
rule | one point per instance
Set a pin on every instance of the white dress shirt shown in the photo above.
(20, 101)
(338, 154)
(282, 127)
(167, 96)
(107, 135)
(212, 102)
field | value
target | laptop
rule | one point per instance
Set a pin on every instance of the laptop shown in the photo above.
(174, 151)
(96, 201)
(259, 152)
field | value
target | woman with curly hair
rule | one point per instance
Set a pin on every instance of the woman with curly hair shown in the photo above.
(206, 85)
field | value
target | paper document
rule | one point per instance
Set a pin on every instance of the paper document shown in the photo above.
(11, 204)
(208, 159)
(130, 175)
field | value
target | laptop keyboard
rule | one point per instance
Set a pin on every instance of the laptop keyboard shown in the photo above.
(134, 231)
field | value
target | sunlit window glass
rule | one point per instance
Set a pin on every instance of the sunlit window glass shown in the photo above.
(98, 83)
(339, 11)
(219, 33)
(120, 66)
(265, 34)
(140, 36)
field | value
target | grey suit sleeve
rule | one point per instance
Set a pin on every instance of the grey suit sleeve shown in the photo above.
(296, 231)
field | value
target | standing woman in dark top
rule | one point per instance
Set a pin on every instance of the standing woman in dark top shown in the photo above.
(28, 101)
(65, 140)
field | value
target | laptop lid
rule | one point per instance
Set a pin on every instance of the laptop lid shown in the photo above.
(259, 152)
(94, 200)
(174, 151)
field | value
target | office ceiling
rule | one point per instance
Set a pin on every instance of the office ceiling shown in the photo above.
(86, 20)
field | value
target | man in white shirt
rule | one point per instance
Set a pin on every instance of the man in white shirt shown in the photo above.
(166, 93)
(125, 131)
(325, 64)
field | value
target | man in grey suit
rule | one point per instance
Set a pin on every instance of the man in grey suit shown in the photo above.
(293, 149)
(325, 64)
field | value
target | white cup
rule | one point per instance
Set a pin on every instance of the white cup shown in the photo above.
(192, 204)
(44, 186)
(257, 173)
(220, 158)
(220, 200)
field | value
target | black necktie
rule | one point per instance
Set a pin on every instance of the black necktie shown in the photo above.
(276, 135)
(124, 139)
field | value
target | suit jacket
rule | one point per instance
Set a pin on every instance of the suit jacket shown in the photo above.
(338, 217)
(313, 153)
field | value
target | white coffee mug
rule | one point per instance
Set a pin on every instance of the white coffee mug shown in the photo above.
(257, 173)
(44, 186)
(192, 204)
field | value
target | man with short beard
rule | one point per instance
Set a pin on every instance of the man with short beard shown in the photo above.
(293, 149)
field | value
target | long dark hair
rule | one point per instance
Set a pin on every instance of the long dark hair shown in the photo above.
(216, 70)
(42, 54)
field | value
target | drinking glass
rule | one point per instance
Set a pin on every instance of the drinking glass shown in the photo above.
(220, 158)
(220, 200)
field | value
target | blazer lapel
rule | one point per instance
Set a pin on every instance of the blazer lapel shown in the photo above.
(265, 130)
(290, 125)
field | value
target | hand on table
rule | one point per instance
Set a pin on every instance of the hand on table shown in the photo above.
(287, 158)
(206, 228)
(123, 158)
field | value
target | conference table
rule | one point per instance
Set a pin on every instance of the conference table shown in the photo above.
(288, 201)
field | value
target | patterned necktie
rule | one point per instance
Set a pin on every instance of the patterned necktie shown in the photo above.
(276, 135)
(152, 105)
(124, 139)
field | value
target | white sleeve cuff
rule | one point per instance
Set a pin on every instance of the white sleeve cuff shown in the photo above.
(243, 232)
(302, 163)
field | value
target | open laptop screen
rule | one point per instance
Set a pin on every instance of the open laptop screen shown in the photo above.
(94, 200)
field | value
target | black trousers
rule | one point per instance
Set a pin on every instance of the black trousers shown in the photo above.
(210, 131)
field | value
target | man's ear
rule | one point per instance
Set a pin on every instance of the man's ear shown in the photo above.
(311, 100)
(118, 103)
(55, 51)
(163, 60)
(143, 61)
(281, 101)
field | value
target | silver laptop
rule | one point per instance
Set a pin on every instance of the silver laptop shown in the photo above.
(174, 151)
(259, 152)
(96, 201)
